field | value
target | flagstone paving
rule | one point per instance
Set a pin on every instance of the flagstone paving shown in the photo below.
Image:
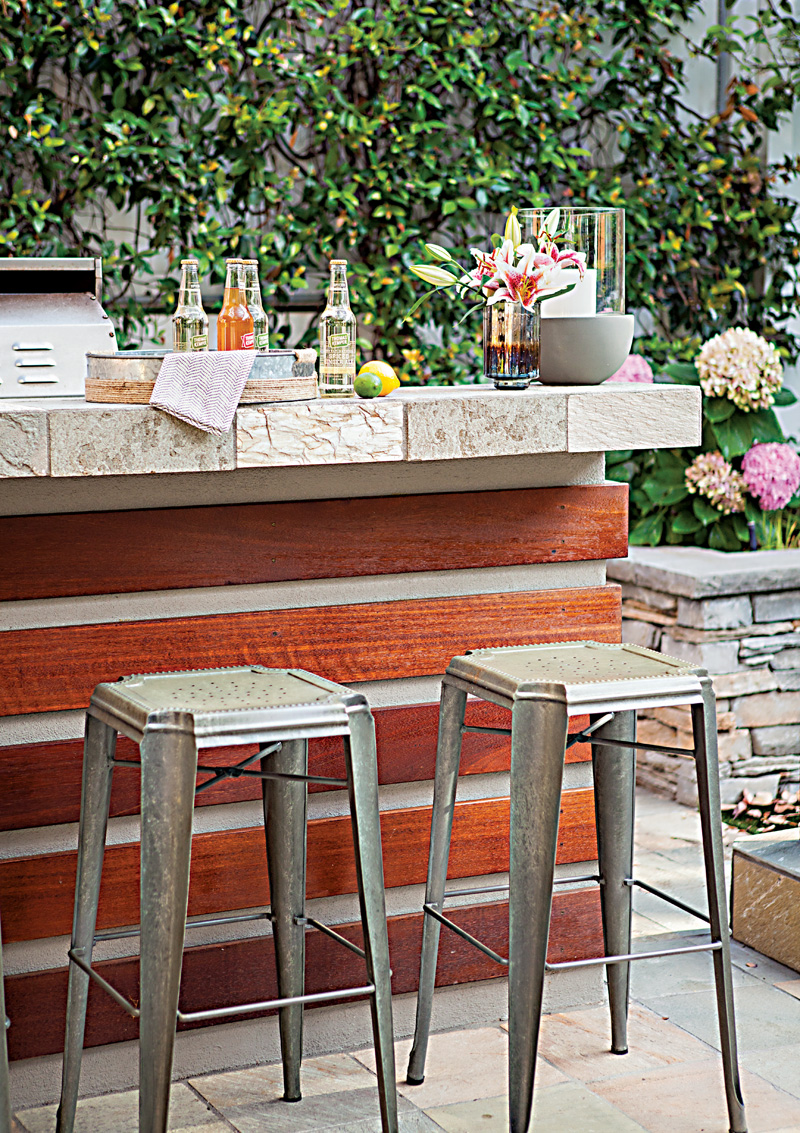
(670, 1082)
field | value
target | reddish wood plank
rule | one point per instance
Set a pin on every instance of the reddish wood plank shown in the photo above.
(243, 971)
(112, 552)
(406, 753)
(43, 670)
(229, 867)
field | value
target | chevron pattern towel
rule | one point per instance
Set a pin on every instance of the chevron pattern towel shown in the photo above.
(203, 388)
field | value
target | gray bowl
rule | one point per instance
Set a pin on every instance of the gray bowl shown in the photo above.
(583, 351)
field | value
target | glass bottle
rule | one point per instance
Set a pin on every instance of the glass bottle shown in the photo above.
(235, 323)
(190, 322)
(337, 338)
(252, 294)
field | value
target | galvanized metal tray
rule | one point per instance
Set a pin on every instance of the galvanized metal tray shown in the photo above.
(128, 376)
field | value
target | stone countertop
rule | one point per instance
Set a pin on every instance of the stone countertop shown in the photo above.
(65, 437)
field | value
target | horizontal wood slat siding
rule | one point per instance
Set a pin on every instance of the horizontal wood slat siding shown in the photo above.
(229, 867)
(112, 552)
(42, 782)
(43, 670)
(244, 971)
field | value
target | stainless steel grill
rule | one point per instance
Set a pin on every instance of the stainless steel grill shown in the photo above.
(50, 316)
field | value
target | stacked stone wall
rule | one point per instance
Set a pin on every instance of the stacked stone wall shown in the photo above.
(750, 643)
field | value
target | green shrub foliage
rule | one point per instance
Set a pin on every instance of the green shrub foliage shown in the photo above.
(293, 130)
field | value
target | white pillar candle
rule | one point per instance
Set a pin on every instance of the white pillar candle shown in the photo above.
(581, 302)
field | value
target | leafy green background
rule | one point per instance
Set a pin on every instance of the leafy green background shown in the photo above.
(293, 130)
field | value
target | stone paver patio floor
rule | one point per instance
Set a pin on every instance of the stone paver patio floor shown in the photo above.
(670, 1082)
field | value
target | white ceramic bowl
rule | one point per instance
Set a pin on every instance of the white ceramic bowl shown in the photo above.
(583, 351)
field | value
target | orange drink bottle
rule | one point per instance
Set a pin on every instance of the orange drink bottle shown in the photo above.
(235, 323)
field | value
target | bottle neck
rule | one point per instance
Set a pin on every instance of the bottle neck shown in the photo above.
(234, 285)
(252, 287)
(189, 295)
(338, 293)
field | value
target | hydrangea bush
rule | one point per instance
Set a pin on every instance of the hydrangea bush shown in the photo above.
(742, 482)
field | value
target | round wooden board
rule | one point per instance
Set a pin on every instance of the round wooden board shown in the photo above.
(137, 391)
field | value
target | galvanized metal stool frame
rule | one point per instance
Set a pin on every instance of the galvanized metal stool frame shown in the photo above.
(170, 716)
(543, 686)
(5, 1088)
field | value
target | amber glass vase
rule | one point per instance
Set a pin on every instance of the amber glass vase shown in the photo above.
(510, 345)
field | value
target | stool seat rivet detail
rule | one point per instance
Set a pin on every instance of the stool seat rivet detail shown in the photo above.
(171, 716)
(543, 685)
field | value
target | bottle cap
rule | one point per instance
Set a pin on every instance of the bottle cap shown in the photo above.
(188, 262)
(234, 260)
(336, 263)
(249, 261)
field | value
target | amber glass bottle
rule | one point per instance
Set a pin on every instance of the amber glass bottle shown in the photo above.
(235, 323)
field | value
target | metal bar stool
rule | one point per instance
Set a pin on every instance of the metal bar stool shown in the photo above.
(170, 716)
(5, 1089)
(544, 685)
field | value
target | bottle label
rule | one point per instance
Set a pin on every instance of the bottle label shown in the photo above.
(339, 340)
(262, 341)
(247, 341)
(200, 342)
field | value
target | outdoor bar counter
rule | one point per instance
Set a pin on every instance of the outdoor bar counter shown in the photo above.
(368, 541)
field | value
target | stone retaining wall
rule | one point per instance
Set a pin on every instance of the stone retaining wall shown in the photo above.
(738, 616)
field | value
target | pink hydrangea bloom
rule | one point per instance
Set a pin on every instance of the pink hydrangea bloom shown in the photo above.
(772, 474)
(635, 368)
(711, 475)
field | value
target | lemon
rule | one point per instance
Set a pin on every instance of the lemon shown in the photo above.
(386, 373)
(368, 385)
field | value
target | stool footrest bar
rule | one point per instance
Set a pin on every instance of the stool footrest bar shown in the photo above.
(124, 1003)
(269, 1004)
(333, 935)
(668, 898)
(191, 922)
(635, 746)
(459, 931)
(713, 946)
(221, 1012)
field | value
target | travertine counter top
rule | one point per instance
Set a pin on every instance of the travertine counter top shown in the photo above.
(66, 437)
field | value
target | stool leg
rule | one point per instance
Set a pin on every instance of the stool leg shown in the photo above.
(704, 723)
(362, 777)
(614, 793)
(98, 752)
(5, 1089)
(285, 826)
(169, 770)
(538, 739)
(448, 754)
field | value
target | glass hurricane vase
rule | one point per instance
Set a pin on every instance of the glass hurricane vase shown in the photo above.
(510, 345)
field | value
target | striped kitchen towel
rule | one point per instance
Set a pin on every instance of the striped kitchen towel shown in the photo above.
(203, 388)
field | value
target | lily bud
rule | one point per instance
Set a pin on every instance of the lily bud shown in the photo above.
(438, 252)
(431, 274)
(513, 232)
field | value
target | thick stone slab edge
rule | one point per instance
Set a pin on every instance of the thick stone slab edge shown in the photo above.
(697, 572)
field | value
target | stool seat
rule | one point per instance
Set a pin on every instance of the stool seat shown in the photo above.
(170, 716)
(585, 671)
(231, 705)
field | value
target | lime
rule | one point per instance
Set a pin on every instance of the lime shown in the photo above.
(386, 373)
(368, 385)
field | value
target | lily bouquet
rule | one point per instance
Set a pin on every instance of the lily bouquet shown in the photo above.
(512, 271)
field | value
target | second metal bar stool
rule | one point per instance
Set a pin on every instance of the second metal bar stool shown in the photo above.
(544, 685)
(171, 715)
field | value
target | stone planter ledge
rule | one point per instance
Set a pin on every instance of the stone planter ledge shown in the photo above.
(64, 437)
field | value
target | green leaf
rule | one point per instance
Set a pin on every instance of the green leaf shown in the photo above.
(785, 397)
(734, 436)
(647, 532)
(718, 408)
(685, 373)
(765, 426)
(741, 528)
(705, 511)
(685, 523)
(723, 538)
